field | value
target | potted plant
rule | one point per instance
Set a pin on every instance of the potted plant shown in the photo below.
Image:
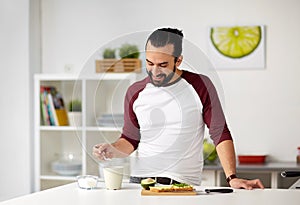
(128, 62)
(109, 53)
(75, 114)
(129, 54)
(129, 51)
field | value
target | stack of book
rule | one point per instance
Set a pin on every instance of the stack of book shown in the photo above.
(53, 110)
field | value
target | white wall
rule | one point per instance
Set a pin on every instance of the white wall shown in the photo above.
(262, 106)
(15, 146)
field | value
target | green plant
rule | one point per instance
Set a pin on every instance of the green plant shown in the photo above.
(75, 106)
(209, 152)
(109, 53)
(129, 51)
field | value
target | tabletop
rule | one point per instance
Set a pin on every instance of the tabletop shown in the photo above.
(131, 194)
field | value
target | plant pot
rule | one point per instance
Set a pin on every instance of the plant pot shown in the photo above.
(118, 65)
(75, 118)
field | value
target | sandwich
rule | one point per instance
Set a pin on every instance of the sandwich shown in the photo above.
(182, 187)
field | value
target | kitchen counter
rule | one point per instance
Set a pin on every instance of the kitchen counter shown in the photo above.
(269, 171)
(268, 166)
(131, 194)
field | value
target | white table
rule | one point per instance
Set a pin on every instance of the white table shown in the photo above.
(131, 194)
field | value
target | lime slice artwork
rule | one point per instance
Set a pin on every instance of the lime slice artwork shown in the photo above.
(237, 41)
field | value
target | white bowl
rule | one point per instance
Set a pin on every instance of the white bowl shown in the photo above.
(87, 181)
(66, 168)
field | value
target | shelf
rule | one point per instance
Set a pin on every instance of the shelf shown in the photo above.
(100, 94)
(60, 128)
(106, 129)
(58, 177)
(98, 76)
(90, 128)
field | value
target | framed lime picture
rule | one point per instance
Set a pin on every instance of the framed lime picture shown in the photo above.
(237, 47)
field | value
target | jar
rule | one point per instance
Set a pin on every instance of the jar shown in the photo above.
(298, 156)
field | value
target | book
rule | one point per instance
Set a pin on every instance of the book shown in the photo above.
(53, 110)
(60, 110)
(43, 109)
(46, 118)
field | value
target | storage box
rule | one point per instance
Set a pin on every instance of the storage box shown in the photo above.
(118, 65)
(252, 159)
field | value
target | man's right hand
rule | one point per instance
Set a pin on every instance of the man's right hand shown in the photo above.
(103, 151)
(119, 149)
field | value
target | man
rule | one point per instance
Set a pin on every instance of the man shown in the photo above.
(165, 115)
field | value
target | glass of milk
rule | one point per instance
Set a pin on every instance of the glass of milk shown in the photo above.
(113, 176)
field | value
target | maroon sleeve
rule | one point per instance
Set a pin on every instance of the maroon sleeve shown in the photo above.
(131, 128)
(213, 115)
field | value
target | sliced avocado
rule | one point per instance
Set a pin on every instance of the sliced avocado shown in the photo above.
(147, 183)
(181, 185)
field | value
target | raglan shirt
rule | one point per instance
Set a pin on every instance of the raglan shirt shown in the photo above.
(166, 126)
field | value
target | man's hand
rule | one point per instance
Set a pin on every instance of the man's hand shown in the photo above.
(119, 149)
(246, 184)
(103, 151)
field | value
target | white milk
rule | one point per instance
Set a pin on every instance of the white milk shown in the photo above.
(113, 177)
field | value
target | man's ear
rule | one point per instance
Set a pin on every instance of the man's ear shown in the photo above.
(179, 61)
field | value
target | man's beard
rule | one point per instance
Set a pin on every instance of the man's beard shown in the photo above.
(166, 78)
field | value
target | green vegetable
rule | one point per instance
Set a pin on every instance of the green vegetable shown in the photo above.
(209, 152)
(181, 185)
(147, 183)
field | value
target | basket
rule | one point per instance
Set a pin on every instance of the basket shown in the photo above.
(118, 65)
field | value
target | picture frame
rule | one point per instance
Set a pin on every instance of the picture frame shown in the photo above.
(237, 47)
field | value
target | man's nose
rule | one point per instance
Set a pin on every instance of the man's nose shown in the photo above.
(155, 70)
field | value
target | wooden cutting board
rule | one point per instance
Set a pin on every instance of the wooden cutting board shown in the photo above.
(178, 193)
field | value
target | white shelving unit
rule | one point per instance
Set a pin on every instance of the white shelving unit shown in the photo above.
(100, 94)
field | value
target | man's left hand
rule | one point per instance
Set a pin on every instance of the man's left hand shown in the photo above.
(246, 184)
